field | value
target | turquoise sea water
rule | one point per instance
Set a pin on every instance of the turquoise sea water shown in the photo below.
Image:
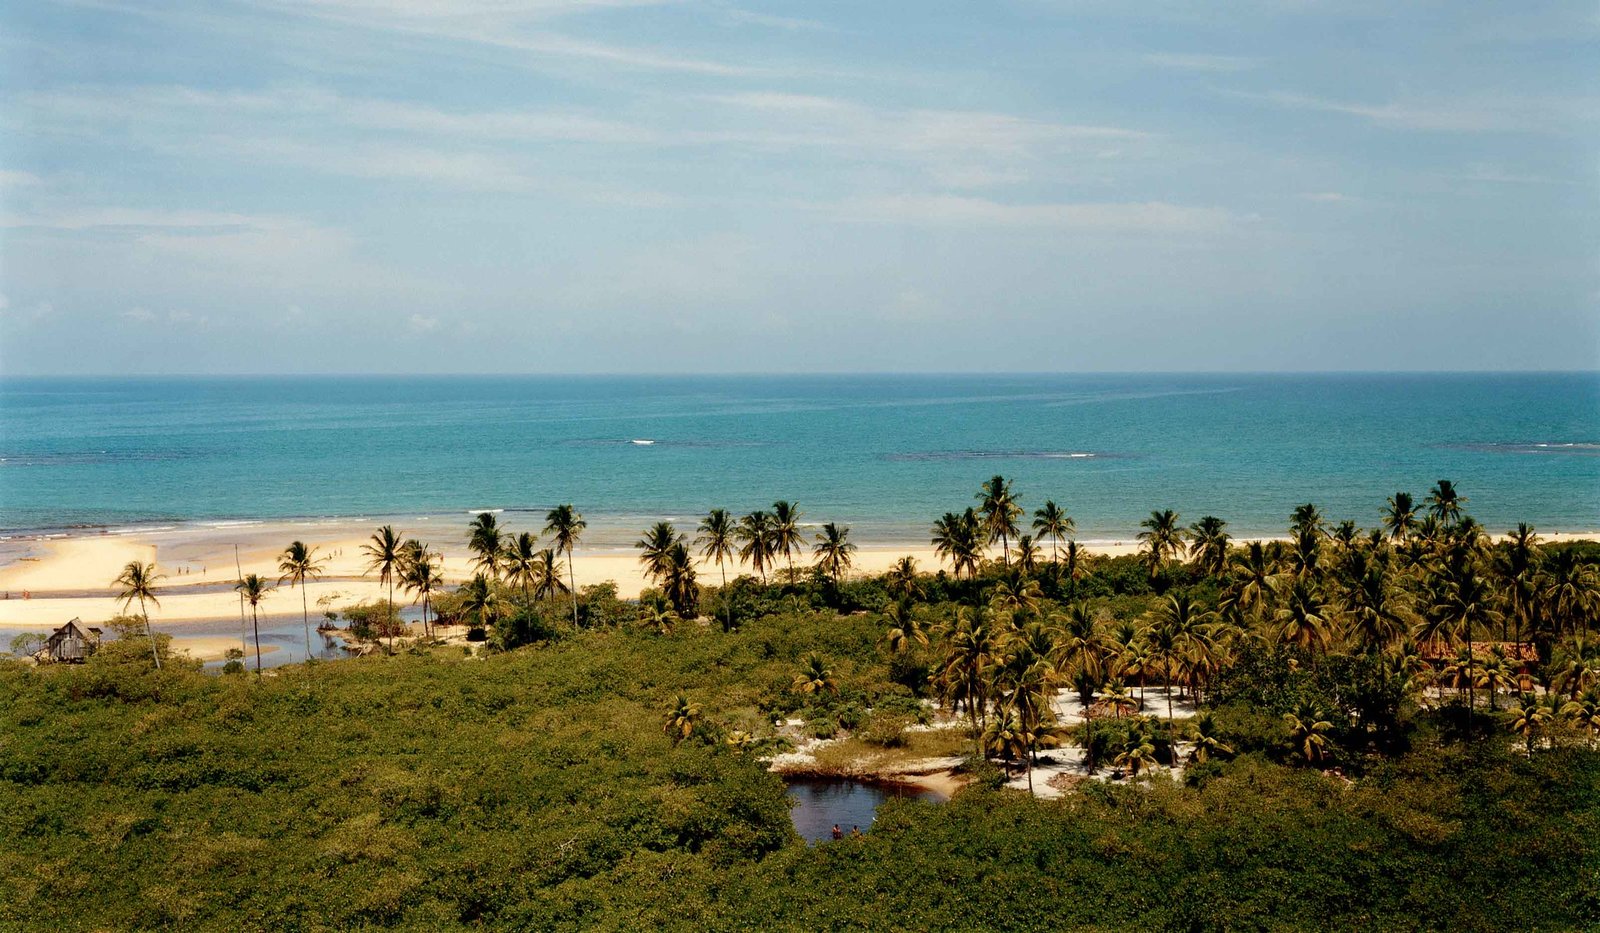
(886, 454)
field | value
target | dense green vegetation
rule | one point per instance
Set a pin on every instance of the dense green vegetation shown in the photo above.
(596, 762)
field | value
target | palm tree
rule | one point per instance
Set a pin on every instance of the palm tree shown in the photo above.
(834, 551)
(421, 576)
(901, 581)
(547, 581)
(1206, 741)
(298, 564)
(654, 547)
(716, 541)
(785, 530)
(521, 560)
(678, 580)
(486, 542)
(658, 613)
(254, 590)
(756, 531)
(384, 556)
(480, 599)
(1401, 516)
(1027, 554)
(1000, 511)
(1445, 503)
(1527, 719)
(1209, 545)
(903, 630)
(1052, 522)
(815, 676)
(1308, 733)
(682, 719)
(1136, 754)
(1303, 619)
(1376, 611)
(567, 525)
(1253, 582)
(1162, 538)
(1305, 520)
(138, 581)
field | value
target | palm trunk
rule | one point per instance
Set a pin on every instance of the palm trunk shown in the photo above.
(255, 621)
(151, 633)
(727, 601)
(572, 579)
(305, 617)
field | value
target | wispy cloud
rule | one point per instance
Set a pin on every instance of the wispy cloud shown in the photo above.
(1147, 217)
(1178, 61)
(1455, 116)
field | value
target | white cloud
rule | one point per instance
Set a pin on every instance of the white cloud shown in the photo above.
(1448, 116)
(1193, 62)
(419, 324)
(15, 179)
(1150, 216)
(1328, 197)
(140, 315)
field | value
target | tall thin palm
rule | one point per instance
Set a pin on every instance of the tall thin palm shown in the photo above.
(755, 533)
(384, 556)
(716, 542)
(421, 576)
(138, 582)
(1209, 544)
(254, 590)
(1000, 511)
(834, 551)
(1162, 538)
(1445, 503)
(486, 542)
(786, 538)
(567, 525)
(1400, 517)
(655, 545)
(522, 561)
(1053, 522)
(297, 564)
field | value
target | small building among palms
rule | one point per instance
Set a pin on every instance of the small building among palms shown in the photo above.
(72, 643)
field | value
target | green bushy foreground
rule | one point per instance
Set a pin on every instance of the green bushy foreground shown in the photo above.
(535, 789)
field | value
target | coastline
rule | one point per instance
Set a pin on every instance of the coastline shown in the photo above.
(67, 575)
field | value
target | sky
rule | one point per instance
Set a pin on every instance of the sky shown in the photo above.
(465, 186)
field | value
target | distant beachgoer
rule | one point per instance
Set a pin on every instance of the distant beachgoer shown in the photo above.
(855, 832)
(837, 833)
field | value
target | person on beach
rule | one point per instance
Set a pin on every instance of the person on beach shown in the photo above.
(855, 832)
(837, 833)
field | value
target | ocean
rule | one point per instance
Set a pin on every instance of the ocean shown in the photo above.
(886, 454)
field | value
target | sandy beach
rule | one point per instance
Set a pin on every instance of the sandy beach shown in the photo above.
(56, 579)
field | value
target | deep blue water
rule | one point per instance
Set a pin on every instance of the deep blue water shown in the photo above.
(886, 454)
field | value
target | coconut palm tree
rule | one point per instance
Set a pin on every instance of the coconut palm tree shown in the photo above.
(566, 525)
(1208, 545)
(1206, 741)
(1584, 712)
(1308, 733)
(481, 600)
(1303, 618)
(1051, 521)
(384, 556)
(815, 676)
(656, 543)
(547, 582)
(834, 551)
(904, 629)
(1527, 718)
(1305, 520)
(254, 590)
(1445, 503)
(297, 564)
(1027, 554)
(1569, 591)
(717, 542)
(658, 613)
(1162, 538)
(487, 543)
(755, 533)
(1000, 511)
(1253, 581)
(901, 581)
(682, 719)
(1401, 516)
(1136, 754)
(421, 576)
(785, 533)
(521, 562)
(138, 582)
(678, 580)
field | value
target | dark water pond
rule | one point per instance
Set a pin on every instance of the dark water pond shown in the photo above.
(819, 803)
(290, 642)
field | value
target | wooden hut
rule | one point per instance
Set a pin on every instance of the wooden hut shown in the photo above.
(72, 643)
